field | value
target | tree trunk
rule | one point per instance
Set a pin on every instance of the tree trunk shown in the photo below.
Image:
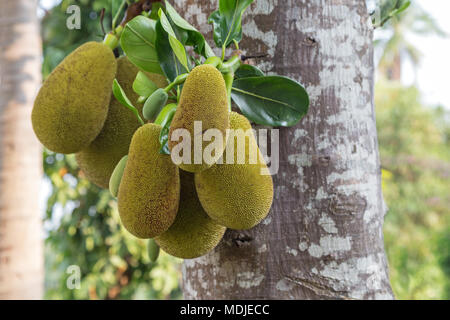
(323, 238)
(21, 256)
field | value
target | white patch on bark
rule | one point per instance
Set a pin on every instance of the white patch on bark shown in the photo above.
(327, 224)
(202, 19)
(302, 246)
(328, 245)
(284, 285)
(249, 279)
(262, 249)
(320, 195)
(291, 251)
(298, 134)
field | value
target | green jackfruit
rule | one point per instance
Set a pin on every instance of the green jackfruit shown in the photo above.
(116, 176)
(99, 159)
(193, 233)
(203, 98)
(237, 196)
(72, 105)
(149, 192)
(154, 104)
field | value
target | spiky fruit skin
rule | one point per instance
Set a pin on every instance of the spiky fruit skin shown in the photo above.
(236, 195)
(71, 107)
(149, 191)
(99, 159)
(203, 98)
(194, 233)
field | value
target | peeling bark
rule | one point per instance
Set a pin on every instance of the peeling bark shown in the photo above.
(21, 256)
(323, 238)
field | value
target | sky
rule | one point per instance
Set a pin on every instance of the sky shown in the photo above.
(433, 73)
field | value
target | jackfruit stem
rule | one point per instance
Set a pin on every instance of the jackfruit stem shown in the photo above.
(214, 61)
(111, 40)
(178, 80)
(231, 65)
(116, 17)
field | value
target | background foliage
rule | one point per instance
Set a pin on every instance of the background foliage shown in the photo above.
(83, 227)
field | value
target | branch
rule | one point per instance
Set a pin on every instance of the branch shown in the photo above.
(135, 9)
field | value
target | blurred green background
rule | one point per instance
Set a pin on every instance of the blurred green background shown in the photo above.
(415, 154)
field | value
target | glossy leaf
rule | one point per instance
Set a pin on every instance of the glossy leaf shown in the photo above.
(121, 96)
(166, 121)
(164, 112)
(194, 37)
(388, 9)
(227, 21)
(143, 86)
(170, 65)
(138, 42)
(246, 70)
(175, 44)
(271, 100)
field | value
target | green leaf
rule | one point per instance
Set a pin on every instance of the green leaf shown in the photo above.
(194, 37)
(271, 100)
(155, 9)
(165, 119)
(170, 65)
(175, 44)
(227, 21)
(143, 86)
(388, 9)
(246, 70)
(116, 7)
(164, 112)
(121, 96)
(138, 43)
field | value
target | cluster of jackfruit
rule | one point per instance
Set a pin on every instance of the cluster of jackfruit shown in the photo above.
(185, 208)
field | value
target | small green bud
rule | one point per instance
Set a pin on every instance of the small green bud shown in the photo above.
(154, 104)
(111, 40)
(116, 177)
(153, 250)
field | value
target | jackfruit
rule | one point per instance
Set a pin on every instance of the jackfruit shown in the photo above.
(149, 191)
(71, 107)
(237, 196)
(193, 233)
(99, 159)
(203, 98)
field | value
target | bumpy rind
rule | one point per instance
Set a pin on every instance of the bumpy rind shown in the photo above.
(99, 159)
(71, 107)
(149, 191)
(203, 98)
(194, 233)
(237, 196)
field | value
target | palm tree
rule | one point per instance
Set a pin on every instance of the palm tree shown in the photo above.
(21, 259)
(396, 45)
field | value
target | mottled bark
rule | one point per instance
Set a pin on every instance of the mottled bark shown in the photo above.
(21, 257)
(323, 238)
